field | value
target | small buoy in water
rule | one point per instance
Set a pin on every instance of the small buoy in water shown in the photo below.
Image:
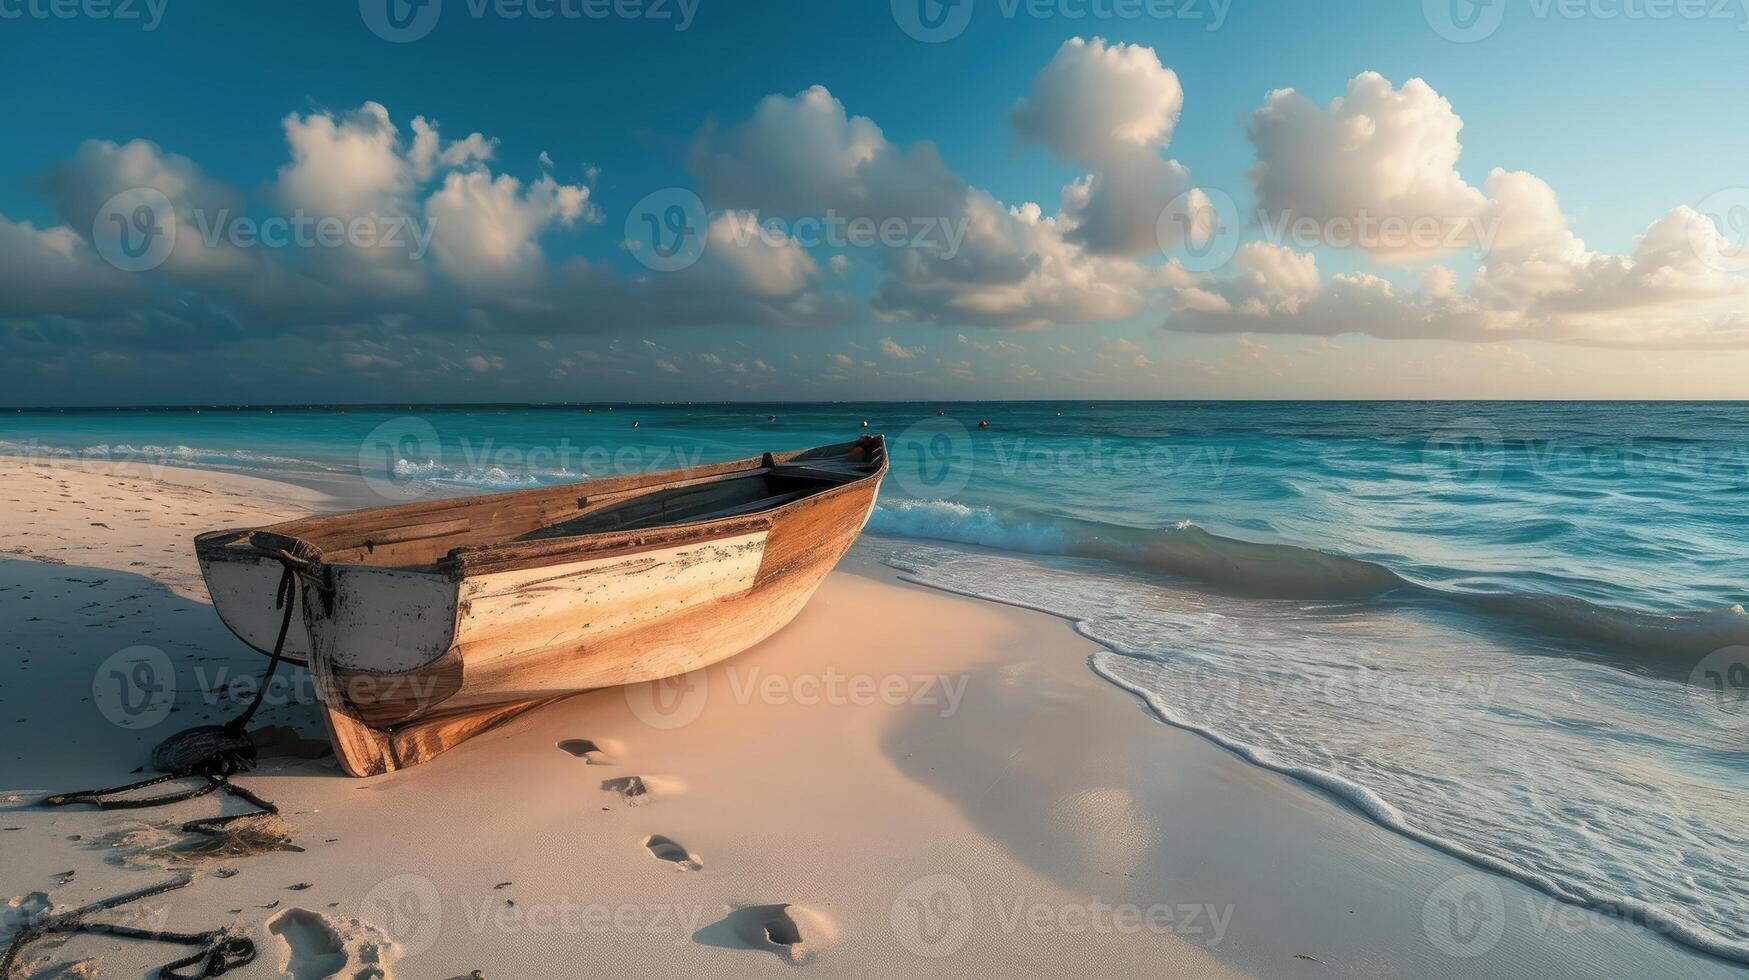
(939, 412)
(983, 425)
(865, 423)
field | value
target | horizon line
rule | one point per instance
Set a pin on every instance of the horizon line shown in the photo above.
(611, 404)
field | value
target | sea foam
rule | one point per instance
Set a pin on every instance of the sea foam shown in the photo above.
(1573, 777)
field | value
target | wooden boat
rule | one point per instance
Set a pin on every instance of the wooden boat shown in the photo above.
(426, 623)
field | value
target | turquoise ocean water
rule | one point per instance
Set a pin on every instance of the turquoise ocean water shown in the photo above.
(1514, 631)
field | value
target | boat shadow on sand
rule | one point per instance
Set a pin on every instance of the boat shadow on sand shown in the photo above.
(97, 666)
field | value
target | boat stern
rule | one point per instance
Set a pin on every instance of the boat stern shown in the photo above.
(242, 582)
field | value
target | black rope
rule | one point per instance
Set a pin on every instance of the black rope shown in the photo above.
(284, 597)
(96, 797)
(214, 826)
(221, 950)
(211, 826)
(218, 768)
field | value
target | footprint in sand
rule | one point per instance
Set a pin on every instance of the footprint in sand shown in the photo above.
(665, 849)
(632, 789)
(792, 932)
(314, 948)
(639, 790)
(318, 947)
(592, 752)
(775, 925)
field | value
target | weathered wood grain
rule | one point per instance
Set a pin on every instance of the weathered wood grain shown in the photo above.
(447, 617)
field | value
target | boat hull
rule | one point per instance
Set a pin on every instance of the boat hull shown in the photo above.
(409, 662)
(241, 584)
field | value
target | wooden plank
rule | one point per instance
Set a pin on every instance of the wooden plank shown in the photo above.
(425, 740)
(818, 530)
(510, 614)
(535, 554)
(385, 701)
(364, 751)
(350, 529)
(764, 503)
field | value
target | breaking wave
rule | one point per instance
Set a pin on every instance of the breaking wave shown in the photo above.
(487, 477)
(1229, 566)
(129, 452)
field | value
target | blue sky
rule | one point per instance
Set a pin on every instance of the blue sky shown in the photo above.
(1622, 111)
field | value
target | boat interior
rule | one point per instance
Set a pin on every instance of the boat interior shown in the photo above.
(709, 501)
(420, 536)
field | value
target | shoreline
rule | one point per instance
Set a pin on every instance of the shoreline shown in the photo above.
(1355, 799)
(1005, 800)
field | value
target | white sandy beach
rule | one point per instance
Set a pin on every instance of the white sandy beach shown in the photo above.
(915, 783)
